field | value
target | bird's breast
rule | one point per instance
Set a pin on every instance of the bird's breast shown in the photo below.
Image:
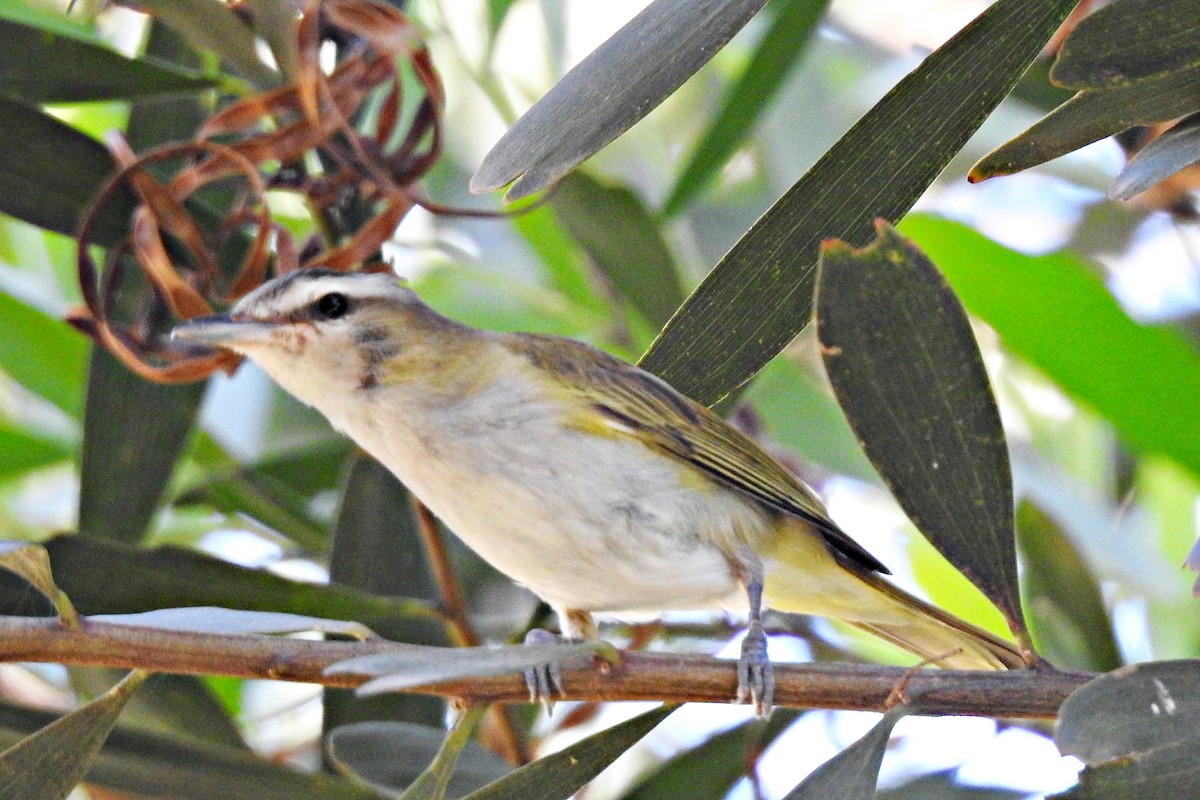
(586, 521)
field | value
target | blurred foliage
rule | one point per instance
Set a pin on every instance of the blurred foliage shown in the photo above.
(262, 509)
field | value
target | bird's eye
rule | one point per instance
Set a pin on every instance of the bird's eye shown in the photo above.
(332, 305)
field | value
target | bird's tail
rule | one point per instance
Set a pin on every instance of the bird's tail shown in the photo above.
(806, 579)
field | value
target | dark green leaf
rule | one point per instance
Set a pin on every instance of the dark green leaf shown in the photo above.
(1090, 116)
(43, 354)
(1070, 625)
(133, 431)
(1136, 728)
(497, 10)
(1131, 711)
(179, 705)
(48, 764)
(147, 764)
(1056, 312)
(852, 773)
(1176, 149)
(559, 775)
(942, 786)
(274, 22)
(87, 570)
(782, 45)
(73, 68)
(377, 549)
(906, 370)
(1128, 41)
(624, 242)
(49, 171)
(420, 666)
(760, 295)
(390, 757)
(610, 90)
(212, 619)
(212, 25)
(709, 770)
(22, 452)
(32, 563)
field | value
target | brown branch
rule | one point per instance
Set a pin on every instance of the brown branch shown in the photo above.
(640, 676)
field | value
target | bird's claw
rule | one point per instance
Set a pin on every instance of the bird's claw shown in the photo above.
(544, 680)
(756, 676)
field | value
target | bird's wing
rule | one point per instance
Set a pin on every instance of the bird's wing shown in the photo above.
(634, 402)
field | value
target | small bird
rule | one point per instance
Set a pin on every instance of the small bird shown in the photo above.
(586, 479)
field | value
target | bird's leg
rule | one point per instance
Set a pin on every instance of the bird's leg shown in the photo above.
(756, 678)
(544, 680)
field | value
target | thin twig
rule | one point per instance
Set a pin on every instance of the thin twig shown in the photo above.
(659, 677)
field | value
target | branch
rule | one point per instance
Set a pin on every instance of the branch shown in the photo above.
(640, 676)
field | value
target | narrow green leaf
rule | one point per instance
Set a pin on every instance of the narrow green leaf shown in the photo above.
(75, 69)
(43, 354)
(145, 764)
(760, 294)
(22, 452)
(906, 370)
(1128, 41)
(390, 758)
(274, 21)
(1167, 772)
(32, 563)
(1055, 312)
(783, 44)
(709, 770)
(624, 242)
(49, 171)
(1070, 625)
(213, 619)
(852, 773)
(1090, 116)
(942, 786)
(1175, 150)
(559, 775)
(212, 25)
(418, 665)
(133, 431)
(610, 90)
(48, 764)
(167, 577)
(497, 10)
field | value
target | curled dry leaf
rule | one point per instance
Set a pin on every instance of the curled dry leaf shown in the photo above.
(199, 201)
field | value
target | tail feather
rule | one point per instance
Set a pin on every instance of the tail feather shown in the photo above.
(805, 578)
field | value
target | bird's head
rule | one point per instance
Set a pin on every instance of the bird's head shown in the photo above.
(325, 335)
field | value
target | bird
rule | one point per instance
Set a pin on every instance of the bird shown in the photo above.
(589, 481)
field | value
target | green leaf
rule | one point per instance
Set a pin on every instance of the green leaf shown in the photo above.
(497, 10)
(1070, 625)
(146, 764)
(1171, 152)
(1090, 116)
(49, 171)
(43, 354)
(559, 775)
(22, 452)
(709, 770)
(106, 577)
(906, 370)
(418, 665)
(133, 431)
(942, 786)
(852, 773)
(783, 44)
(377, 549)
(212, 25)
(274, 21)
(1055, 312)
(609, 91)
(32, 563)
(48, 764)
(760, 294)
(213, 619)
(624, 242)
(388, 757)
(1127, 41)
(74, 68)
(1136, 730)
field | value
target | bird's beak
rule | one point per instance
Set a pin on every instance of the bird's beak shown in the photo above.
(221, 330)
